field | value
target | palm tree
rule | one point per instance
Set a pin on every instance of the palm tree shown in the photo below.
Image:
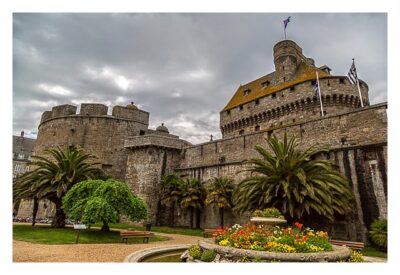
(219, 193)
(170, 193)
(293, 181)
(192, 195)
(54, 175)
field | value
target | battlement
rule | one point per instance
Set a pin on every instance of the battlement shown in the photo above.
(93, 109)
(96, 110)
(131, 114)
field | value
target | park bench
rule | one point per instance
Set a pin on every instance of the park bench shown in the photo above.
(352, 245)
(208, 232)
(125, 235)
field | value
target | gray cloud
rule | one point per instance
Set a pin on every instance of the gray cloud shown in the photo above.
(182, 68)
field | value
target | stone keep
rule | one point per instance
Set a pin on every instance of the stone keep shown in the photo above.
(277, 103)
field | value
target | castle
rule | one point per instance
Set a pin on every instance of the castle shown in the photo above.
(277, 103)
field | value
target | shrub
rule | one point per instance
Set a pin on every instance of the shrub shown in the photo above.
(208, 256)
(378, 233)
(356, 257)
(268, 213)
(195, 251)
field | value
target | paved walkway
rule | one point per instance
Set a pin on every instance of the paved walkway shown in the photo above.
(32, 252)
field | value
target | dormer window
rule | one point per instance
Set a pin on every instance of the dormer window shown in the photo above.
(265, 84)
(246, 92)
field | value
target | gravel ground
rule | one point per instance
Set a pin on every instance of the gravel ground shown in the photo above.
(32, 252)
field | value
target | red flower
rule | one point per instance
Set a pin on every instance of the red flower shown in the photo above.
(298, 225)
(305, 238)
(241, 232)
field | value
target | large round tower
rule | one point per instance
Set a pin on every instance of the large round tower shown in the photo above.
(287, 95)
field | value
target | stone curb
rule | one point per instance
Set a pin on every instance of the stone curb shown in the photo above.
(339, 253)
(137, 256)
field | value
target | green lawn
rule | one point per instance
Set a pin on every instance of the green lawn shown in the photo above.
(160, 229)
(373, 252)
(46, 235)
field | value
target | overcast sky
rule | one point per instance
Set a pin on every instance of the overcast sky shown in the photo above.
(182, 68)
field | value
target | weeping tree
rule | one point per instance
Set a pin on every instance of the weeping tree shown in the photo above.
(170, 194)
(294, 181)
(54, 174)
(219, 194)
(192, 195)
(94, 201)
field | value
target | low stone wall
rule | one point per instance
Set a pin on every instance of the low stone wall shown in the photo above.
(339, 253)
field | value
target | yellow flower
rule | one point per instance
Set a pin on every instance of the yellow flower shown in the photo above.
(224, 242)
(310, 234)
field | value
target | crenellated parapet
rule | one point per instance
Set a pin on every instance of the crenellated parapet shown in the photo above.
(96, 110)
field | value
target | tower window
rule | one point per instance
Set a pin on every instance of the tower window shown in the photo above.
(257, 128)
(283, 68)
(341, 80)
(265, 84)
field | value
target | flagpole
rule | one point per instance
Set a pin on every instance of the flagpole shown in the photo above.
(319, 93)
(358, 87)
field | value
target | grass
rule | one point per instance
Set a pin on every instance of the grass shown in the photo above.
(47, 235)
(373, 252)
(160, 229)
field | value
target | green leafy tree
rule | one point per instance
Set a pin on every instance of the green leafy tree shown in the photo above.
(54, 174)
(219, 194)
(192, 195)
(378, 233)
(293, 181)
(170, 193)
(95, 201)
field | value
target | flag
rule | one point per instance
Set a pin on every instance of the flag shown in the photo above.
(316, 88)
(286, 21)
(352, 75)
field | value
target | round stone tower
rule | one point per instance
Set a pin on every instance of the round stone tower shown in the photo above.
(287, 95)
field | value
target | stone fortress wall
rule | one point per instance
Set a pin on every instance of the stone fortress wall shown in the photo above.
(357, 143)
(100, 134)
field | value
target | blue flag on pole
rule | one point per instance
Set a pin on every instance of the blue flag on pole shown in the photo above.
(286, 21)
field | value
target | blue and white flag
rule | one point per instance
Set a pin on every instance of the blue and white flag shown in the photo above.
(286, 21)
(316, 89)
(352, 75)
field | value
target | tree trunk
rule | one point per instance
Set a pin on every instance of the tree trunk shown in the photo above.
(191, 217)
(172, 215)
(105, 227)
(59, 217)
(198, 213)
(35, 210)
(221, 216)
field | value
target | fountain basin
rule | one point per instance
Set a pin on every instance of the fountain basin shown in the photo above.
(170, 253)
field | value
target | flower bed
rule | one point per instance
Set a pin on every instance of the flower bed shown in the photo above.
(273, 239)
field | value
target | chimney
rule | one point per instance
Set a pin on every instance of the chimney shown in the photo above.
(22, 134)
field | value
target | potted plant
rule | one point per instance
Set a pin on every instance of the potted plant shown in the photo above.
(268, 217)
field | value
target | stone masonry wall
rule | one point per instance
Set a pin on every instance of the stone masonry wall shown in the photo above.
(357, 143)
(293, 104)
(93, 130)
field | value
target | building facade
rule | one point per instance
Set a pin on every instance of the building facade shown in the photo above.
(277, 103)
